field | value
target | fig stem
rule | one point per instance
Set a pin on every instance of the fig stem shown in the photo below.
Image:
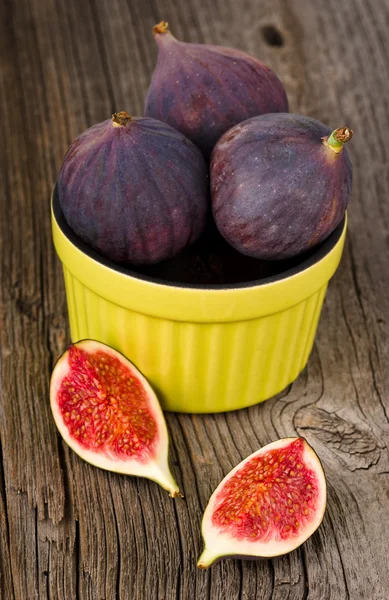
(120, 119)
(206, 559)
(162, 27)
(338, 138)
(176, 494)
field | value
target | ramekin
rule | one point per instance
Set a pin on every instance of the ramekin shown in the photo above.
(204, 349)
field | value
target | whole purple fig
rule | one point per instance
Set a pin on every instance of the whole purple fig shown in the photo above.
(280, 184)
(134, 189)
(204, 90)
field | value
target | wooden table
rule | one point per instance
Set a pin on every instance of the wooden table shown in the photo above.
(69, 530)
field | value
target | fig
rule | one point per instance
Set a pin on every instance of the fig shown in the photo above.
(134, 189)
(267, 506)
(203, 90)
(280, 184)
(106, 411)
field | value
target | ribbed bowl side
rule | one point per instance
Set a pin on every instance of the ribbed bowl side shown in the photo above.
(313, 317)
(196, 367)
(73, 306)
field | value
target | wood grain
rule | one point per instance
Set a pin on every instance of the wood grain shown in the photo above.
(69, 530)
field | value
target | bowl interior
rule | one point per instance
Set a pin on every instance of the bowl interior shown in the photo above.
(209, 263)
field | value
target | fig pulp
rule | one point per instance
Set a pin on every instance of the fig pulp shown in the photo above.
(266, 506)
(204, 90)
(108, 414)
(134, 189)
(280, 184)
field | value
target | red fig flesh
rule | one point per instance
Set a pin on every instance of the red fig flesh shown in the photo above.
(267, 506)
(134, 189)
(280, 184)
(203, 90)
(108, 414)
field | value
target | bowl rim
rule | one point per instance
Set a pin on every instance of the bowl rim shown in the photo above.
(318, 253)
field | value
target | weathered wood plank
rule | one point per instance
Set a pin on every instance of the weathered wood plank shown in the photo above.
(26, 360)
(6, 583)
(69, 530)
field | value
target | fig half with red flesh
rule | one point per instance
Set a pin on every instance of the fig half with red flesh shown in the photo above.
(107, 412)
(267, 506)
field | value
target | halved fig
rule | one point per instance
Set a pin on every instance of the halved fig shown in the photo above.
(267, 506)
(107, 412)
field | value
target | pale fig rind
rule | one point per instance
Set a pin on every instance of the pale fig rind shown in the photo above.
(219, 544)
(154, 465)
(203, 90)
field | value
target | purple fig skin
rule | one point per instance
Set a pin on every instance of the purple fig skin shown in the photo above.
(204, 90)
(137, 193)
(277, 188)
